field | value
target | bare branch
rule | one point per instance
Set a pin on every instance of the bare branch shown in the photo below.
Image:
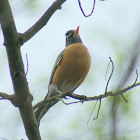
(92, 111)
(70, 102)
(108, 93)
(84, 98)
(5, 96)
(22, 97)
(98, 110)
(124, 98)
(134, 83)
(110, 74)
(83, 10)
(60, 96)
(136, 77)
(41, 22)
(12, 98)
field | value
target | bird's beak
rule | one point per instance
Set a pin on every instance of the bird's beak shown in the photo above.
(76, 31)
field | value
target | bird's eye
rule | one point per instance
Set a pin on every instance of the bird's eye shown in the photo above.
(70, 36)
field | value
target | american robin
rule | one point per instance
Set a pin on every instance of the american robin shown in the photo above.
(69, 71)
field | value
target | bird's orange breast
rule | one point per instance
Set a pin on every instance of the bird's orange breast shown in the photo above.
(73, 67)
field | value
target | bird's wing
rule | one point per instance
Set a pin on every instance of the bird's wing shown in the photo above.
(57, 62)
(40, 112)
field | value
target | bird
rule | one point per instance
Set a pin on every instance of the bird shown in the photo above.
(69, 71)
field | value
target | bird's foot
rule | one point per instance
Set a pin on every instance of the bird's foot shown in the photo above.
(83, 98)
(60, 92)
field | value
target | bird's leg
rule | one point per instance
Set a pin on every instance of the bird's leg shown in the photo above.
(60, 92)
(77, 83)
(83, 98)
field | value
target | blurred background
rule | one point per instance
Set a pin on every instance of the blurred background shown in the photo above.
(112, 31)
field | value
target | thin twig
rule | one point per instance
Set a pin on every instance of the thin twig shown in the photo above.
(83, 10)
(124, 98)
(92, 112)
(110, 74)
(41, 22)
(70, 102)
(107, 70)
(98, 110)
(133, 84)
(136, 77)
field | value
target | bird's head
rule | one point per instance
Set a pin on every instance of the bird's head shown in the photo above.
(73, 36)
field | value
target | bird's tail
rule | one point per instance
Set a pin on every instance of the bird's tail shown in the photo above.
(41, 111)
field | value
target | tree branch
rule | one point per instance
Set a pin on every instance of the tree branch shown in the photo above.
(84, 98)
(41, 22)
(110, 74)
(12, 40)
(22, 97)
(83, 10)
(57, 97)
(6, 96)
(75, 96)
(12, 98)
